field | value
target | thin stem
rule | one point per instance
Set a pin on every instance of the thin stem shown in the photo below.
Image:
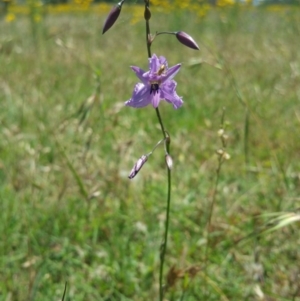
(164, 32)
(165, 239)
(148, 43)
(164, 243)
(211, 209)
(161, 125)
(218, 171)
(63, 297)
(157, 144)
(147, 38)
(207, 247)
(246, 136)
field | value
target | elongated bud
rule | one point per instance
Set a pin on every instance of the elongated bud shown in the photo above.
(112, 16)
(169, 161)
(138, 166)
(147, 13)
(186, 40)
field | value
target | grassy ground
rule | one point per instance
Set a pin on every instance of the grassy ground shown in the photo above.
(68, 211)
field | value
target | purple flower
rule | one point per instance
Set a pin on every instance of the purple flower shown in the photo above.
(156, 85)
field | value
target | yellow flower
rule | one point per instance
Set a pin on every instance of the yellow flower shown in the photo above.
(37, 18)
(138, 13)
(10, 17)
(223, 3)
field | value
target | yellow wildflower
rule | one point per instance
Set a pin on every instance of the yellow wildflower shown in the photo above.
(37, 18)
(10, 17)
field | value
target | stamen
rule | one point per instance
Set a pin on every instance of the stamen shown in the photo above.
(154, 87)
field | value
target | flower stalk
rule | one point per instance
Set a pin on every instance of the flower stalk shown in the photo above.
(165, 239)
(155, 85)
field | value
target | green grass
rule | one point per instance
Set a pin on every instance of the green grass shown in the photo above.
(67, 209)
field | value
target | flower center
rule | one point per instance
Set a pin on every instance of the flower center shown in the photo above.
(154, 86)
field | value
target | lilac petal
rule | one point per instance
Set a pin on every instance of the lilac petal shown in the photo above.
(139, 73)
(154, 63)
(169, 94)
(172, 72)
(163, 61)
(140, 96)
(155, 99)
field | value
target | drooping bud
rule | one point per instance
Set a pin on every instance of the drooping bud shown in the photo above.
(186, 40)
(169, 161)
(138, 166)
(112, 17)
(147, 13)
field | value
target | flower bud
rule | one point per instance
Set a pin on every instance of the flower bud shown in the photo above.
(138, 166)
(220, 152)
(186, 40)
(225, 137)
(226, 156)
(169, 161)
(221, 132)
(112, 16)
(147, 13)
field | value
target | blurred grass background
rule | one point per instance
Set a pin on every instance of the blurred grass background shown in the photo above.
(68, 211)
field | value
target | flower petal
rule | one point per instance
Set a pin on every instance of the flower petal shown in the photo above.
(139, 73)
(171, 72)
(167, 92)
(163, 61)
(140, 96)
(154, 63)
(155, 99)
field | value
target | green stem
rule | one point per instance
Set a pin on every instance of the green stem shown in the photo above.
(164, 243)
(164, 32)
(161, 126)
(211, 209)
(165, 239)
(148, 43)
(147, 38)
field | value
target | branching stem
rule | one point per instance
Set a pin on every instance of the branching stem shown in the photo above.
(166, 137)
